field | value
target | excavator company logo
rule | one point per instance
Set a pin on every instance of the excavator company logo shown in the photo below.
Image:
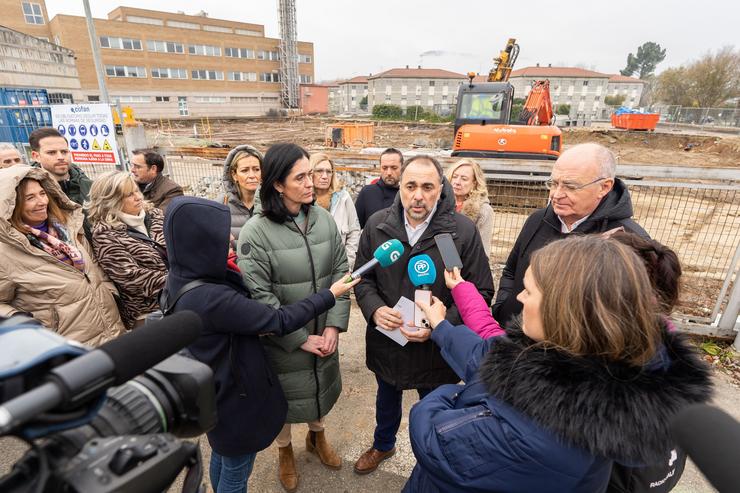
(510, 131)
(502, 142)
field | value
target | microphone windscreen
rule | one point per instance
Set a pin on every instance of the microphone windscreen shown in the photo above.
(421, 270)
(712, 439)
(137, 351)
(388, 252)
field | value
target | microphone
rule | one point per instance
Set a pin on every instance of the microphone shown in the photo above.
(385, 255)
(711, 438)
(422, 273)
(114, 363)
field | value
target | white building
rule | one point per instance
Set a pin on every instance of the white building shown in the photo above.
(350, 94)
(407, 87)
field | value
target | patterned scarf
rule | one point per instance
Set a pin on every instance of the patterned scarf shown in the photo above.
(57, 244)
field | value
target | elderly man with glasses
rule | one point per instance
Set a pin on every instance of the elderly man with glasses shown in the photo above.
(585, 197)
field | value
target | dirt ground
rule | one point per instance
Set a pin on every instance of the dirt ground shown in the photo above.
(350, 429)
(664, 146)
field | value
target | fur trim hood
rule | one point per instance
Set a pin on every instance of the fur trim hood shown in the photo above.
(610, 409)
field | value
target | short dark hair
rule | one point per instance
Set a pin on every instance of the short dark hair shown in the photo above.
(34, 140)
(392, 150)
(151, 158)
(430, 159)
(276, 166)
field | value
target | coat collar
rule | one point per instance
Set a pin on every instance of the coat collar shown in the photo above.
(610, 409)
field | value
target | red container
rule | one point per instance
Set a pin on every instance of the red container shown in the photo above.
(635, 121)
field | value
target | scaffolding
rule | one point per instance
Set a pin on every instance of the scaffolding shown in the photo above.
(288, 54)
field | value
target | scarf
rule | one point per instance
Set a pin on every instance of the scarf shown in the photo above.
(134, 222)
(57, 244)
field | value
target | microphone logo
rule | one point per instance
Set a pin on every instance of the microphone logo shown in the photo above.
(421, 267)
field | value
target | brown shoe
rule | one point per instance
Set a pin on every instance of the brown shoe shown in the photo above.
(371, 459)
(316, 443)
(286, 469)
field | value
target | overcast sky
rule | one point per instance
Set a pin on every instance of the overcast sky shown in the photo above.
(360, 37)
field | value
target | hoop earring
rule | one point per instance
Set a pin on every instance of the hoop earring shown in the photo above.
(281, 195)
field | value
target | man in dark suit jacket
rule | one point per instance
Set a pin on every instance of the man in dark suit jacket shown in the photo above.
(585, 197)
(147, 167)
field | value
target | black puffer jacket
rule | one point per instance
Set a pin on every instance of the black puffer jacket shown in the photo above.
(542, 228)
(416, 365)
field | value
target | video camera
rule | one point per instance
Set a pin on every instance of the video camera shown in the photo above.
(106, 419)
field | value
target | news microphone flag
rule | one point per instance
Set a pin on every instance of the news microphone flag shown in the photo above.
(422, 271)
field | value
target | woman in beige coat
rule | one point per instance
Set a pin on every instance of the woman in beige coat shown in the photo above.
(47, 269)
(471, 197)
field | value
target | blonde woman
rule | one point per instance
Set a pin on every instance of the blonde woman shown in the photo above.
(337, 201)
(128, 239)
(48, 270)
(241, 180)
(471, 197)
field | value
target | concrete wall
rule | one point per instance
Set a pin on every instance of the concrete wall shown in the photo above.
(314, 99)
(412, 91)
(350, 96)
(26, 61)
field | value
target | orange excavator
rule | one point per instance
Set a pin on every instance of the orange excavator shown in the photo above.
(483, 126)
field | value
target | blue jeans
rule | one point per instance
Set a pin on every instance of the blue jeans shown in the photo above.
(230, 474)
(388, 412)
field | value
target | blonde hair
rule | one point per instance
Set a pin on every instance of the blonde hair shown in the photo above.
(106, 197)
(53, 210)
(479, 193)
(320, 157)
(597, 300)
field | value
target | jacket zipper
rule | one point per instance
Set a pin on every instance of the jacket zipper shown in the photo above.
(315, 320)
(468, 418)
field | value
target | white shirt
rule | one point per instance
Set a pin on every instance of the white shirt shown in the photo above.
(564, 227)
(414, 233)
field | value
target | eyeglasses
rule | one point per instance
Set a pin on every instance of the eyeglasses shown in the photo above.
(569, 186)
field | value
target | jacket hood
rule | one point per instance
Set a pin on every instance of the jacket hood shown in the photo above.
(9, 180)
(230, 188)
(610, 409)
(196, 233)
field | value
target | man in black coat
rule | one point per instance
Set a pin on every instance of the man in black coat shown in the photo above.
(382, 193)
(424, 208)
(585, 197)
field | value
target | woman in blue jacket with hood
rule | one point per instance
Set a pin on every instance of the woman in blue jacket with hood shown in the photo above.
(590, 379)
(250, 402)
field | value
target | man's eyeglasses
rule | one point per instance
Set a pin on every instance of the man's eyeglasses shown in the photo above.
(569, 186)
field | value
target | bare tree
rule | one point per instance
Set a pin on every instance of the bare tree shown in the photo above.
(716, 78)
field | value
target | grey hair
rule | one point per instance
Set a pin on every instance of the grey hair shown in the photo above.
(601, 155)
(7, 146)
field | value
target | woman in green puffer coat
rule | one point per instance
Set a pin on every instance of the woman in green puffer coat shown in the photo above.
(290, 250)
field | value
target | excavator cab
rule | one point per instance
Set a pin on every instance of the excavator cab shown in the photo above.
(484, 104)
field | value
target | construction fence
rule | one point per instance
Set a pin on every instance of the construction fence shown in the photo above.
(696, 212)
(707, 118)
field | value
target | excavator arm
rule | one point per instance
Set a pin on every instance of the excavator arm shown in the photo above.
(537, 108)
(504, 62)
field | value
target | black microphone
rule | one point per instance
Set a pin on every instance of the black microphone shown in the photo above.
(711, 438)
(114, 363)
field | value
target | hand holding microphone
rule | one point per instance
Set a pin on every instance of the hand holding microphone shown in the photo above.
(385, 255)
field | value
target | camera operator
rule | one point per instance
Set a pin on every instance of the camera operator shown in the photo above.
(251, 405)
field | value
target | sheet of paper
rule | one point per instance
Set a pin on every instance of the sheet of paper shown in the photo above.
(406, 307)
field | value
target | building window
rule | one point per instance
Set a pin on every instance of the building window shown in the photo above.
(583, 98)
(60, 98)
(144, 20)
(271, 98)
(169, 73)
(243, 76)
(431, 83)
(207, 75)
(585, 82)
(217, 29)
(239, 53)
(268, 55)
(183, 25)
(162, 99)
(247, 32)
(133, 99)
(245, 99)
(304, 58)
(124, 71)
(210, 99)
(269, 77)
(120, 43)
(306, 79)
(93, 99)
(164, 46)
(32, 13)
(204, 50)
